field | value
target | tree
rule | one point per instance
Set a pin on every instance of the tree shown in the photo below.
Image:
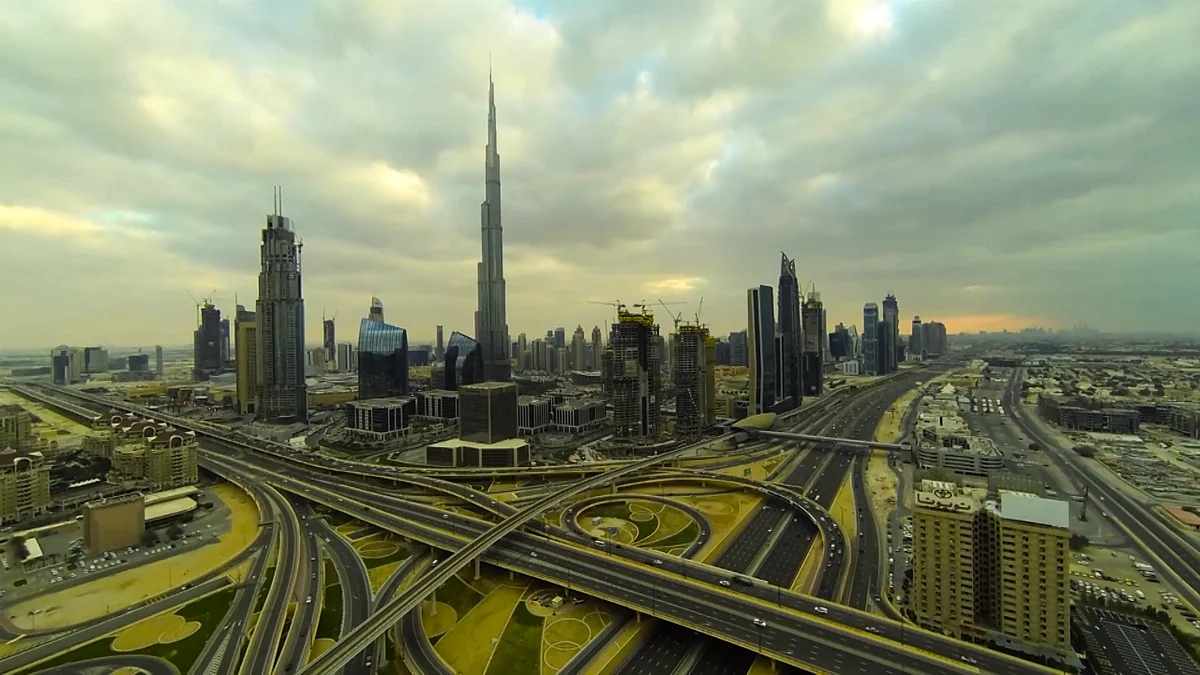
(1085, 451)
(1078, 542)
(149, 538)
(1034, 447)
(175, 531)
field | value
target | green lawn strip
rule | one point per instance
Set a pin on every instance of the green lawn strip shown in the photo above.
(619, 510)
(287, 625)
(207, 611)
(683, 537)
(519, 649)
(264, 589)
(672, 521)
(330, 623)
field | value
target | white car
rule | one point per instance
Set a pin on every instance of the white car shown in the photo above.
(760, 623)
(821, 610)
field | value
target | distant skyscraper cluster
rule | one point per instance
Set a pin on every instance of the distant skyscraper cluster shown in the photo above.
(781, 355)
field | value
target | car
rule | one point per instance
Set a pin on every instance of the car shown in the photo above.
(657, 561)
(967, 659)
(598, 542)
(760, 623)
(533, 554)
(821, 609)
(308, 600)
(872, 629)
(724, 582)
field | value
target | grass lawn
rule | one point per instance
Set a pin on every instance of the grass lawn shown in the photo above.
(620, 511)
(671, 521)
(206, 611)
(519, 649)
(684, 537)
(400, 555)
(458, 595)
(330, 624)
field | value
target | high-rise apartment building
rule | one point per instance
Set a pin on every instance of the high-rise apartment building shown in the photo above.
(993, 568)
(281, 392)
(870, 339)
(813, 361)
(158, 361)
(760, 341)
(694, 352)
(789, 384)
(579, 351)
(439, 350)
(24, 485)
(491, 318)
(16, 428)
(66, 364)
(636, 375)
(206, 344)
(739, 349)
(933, 339)
(382, 360)
(916, 348)
(891, 348)
(246, 359)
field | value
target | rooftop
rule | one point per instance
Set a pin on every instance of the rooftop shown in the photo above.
(488, 386)
(1029, 508)
(389, 402)
(508, 444)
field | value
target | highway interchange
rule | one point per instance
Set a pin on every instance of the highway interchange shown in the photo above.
(687, 595)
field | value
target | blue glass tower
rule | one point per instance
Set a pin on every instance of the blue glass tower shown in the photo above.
(382, 360)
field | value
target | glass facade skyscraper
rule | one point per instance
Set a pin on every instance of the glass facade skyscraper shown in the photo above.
(382, 360)
(464, 361)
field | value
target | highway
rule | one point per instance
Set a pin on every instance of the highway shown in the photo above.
(264, 644)
(696, 600)
(357, 602)
(1175, 555)
(308, 594)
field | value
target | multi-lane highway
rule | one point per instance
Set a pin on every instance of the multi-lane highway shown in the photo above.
(268, 631)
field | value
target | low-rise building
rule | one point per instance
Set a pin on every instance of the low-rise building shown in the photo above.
(935, 448)
(437, 405)
(109, 524)
(1108, 420)
(380, 419)
(534, 415)
(16, 428)
(580, 415)
(463, 453)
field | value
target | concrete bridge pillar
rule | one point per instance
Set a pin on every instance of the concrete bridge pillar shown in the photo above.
(477, 569)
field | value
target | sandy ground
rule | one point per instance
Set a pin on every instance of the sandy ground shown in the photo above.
(726, 513)
(318, 648)
(843, 510)
(111, 593)
(53, 425)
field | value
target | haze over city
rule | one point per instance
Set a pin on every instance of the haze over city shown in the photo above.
(996, 165)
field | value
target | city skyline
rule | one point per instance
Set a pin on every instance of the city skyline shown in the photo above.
(637, 167)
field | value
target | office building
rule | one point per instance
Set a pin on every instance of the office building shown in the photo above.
(113, 523)
(329, 333)
(760, 341)
(206, 344)
(596, 349)
(437, 405)
(871, 352)
(464, 362)
(281, 392)
(739, 349)
(379, 419)
(225, 343)
(915, 348)
(16, 428)
(382, 360)
(24, 485)
(138, 363)
(534, 415)
(891, 342)
(578, 353)
(347, 358)
(491, 317)
(95, 360)
(158, 361)
(789, 382)
(636, 376)
(813, 360)
(439, 350)
(694, 378)
(560, 337)
(67, 364)
(579, 415)
(246, 359)
(933, 339)
(487, 412)
(376, 311)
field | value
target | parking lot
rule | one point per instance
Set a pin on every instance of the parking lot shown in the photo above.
(1118, 643)
(1115, 576)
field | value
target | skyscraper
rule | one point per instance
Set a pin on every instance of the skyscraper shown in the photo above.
(760, 342)
(207, 343)
(870, 342)
(439, 351)
(330, 343)
(491, 319)
(158, 361)
(245, 329)
(376, 311)
(596, 348)
(891, 316)
(693, 373)
(813, 362)
(739, 352)
(915, 347)
(579, 350)
(636, 376)
(281, 391)
(464, 361)
(789, 386)
(382, 360)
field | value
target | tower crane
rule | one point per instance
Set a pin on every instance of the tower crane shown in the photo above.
(674, 317)
(699, 309)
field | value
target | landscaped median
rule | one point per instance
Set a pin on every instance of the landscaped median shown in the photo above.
(177, 635)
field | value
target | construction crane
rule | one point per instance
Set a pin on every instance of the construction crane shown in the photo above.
(699, 309)
(674, 317)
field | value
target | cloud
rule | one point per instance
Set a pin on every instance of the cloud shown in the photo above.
(989, 163)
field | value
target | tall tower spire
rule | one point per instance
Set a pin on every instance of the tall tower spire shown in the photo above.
(491, 321)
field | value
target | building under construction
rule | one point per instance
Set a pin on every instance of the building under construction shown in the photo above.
(694, 354)
(636, 375)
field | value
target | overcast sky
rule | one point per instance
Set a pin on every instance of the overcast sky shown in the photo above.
(995, 164)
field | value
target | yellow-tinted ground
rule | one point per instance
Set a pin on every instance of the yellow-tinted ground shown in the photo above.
(437, 622)
(468, 646)
(726, 513)
(881, 485)
(53, 427)
(116, 591)
(758, 470)
(565, 633)
(162, 628)
(843, 511)
(379, 575)
(319, 646)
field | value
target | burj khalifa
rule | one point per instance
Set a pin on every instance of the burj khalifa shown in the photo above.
(491, 321)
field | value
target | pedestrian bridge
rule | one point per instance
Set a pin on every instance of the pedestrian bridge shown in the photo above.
(759, 426)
